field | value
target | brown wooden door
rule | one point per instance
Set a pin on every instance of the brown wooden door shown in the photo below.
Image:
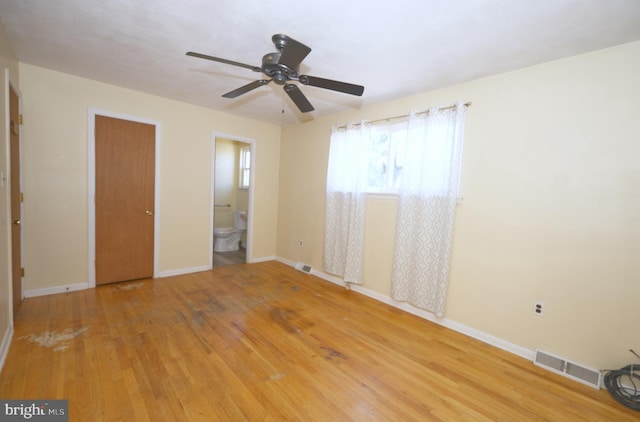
(124, 200)
(16, 218)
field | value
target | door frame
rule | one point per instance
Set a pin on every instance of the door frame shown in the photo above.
(92, 188)
(252, 178)
(9, 85)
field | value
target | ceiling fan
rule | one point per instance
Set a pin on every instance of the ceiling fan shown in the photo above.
(282, 67)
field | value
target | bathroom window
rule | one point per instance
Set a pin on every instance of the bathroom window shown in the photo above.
(245, 168)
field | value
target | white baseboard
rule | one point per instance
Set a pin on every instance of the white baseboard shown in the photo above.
(4, 345)
(285, 261)
(56, 289)
(190, 270)
(183, 271)
(453, 325)
(263, 259)
(82, 286)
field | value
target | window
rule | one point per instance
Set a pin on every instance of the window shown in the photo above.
(390, 143)
(419, 161)
(386, 158)
(245, 168)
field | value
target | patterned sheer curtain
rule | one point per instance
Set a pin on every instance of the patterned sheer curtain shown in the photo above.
(428, 194)
(347, 178)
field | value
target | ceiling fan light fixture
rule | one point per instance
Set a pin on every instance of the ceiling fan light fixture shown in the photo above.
(280, 77)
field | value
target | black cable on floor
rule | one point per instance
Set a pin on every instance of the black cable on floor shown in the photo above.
(624, 385)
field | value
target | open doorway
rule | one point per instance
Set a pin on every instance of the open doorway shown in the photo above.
(232, 187)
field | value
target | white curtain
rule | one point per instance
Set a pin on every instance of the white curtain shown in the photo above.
(427, 199)
(347, 179)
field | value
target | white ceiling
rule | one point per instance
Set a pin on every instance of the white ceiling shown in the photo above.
(393, 48)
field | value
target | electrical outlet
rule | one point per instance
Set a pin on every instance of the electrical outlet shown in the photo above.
(300, 243)
(538, 308)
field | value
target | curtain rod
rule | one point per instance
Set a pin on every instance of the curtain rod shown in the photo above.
(386, 119)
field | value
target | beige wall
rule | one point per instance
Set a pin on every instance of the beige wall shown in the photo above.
(56, 175)
(551, 188)
(8, 65)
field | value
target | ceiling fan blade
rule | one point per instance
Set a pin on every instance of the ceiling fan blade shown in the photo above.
(298, 98)
(246, 88)
(293, 52)
(345, 87)
(225, 61)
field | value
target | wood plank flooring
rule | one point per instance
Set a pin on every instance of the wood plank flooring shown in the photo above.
(264, 342)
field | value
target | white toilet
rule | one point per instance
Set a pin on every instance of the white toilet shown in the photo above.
(227, 239)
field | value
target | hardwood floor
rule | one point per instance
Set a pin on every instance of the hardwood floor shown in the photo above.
(264, 342)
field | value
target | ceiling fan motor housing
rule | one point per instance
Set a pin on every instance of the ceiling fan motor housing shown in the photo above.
(277, 71)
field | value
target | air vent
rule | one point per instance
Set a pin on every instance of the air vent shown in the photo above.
(303, 267)
(580, 373)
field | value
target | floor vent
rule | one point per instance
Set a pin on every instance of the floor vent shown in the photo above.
(303, 267)
(580, 373)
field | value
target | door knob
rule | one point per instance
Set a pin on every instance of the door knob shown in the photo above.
(17, 222)
(147, 212)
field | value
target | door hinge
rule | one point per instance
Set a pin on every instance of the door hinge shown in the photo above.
(21, 272)
(20, 119)
(21, 197)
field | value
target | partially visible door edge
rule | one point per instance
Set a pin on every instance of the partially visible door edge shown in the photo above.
(10, 85)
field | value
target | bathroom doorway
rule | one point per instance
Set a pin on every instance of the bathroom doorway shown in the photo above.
(232, 189)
